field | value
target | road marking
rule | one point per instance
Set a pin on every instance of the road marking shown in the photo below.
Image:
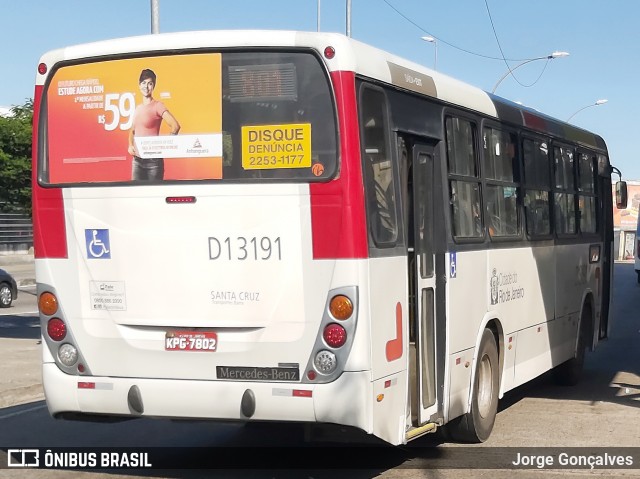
(24, 411)
(25, 313)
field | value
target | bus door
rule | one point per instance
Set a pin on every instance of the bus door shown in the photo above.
(422, 283)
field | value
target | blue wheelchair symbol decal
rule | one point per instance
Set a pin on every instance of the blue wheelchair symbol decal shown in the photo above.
(452, 265)
(97, 244)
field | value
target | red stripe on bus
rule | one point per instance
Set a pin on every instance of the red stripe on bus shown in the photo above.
(302, 393)
(338, 219)
(49, 232)
(394, 346)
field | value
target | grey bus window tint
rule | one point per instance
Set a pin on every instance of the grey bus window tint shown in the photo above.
(587, 212)
(537, 205)
(277, 88)
(424, 213)
(465, 204)
(502, 210)
(500, 160)
(563, 160)
(587, 178)
(565, 208)
(587, 172)
(464, 185)
(499, 154)
(460, 146)
(381, 197)
(565, 213)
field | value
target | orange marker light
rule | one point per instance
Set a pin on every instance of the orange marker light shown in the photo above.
(341, 307)
(48, 304)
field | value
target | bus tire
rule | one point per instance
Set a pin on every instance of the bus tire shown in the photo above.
(476, 425)
(569, 373)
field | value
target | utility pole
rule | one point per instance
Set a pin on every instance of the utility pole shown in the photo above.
(349, 18)
(155, 16)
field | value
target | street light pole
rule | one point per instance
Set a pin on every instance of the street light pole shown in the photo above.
(511, 70)
(155, 16)
(597, 103)
(349, 18)
(435, 49)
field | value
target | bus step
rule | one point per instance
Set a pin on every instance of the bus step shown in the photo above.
(415, 432)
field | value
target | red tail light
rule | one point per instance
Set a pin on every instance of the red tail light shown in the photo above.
(334, 335)
(56, 329)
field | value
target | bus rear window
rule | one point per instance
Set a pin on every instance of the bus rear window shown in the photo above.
(243, 116)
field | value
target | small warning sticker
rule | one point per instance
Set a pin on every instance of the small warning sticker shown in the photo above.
(107, 295)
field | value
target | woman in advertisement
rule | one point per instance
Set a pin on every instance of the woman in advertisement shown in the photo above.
(146, 122)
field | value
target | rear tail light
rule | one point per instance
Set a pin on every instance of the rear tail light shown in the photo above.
(325, 362)
(336, 332)
(68, 354)
(48, 304)
(341, 307)
(334, 335)
(56, 329)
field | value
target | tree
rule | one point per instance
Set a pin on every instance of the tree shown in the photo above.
(15, 159)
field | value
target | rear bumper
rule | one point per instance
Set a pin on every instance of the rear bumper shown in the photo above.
(346, 401)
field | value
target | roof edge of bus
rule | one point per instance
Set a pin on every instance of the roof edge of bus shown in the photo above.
(522, 115)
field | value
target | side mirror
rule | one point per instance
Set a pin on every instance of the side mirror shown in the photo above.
(621, 195)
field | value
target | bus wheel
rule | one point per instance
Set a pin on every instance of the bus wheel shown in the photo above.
(477, 424)
(569, 373)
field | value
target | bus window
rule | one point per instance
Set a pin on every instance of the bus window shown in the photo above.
(261, 116)
(587, 187)
(500, 160)
(536, 179)
(565, 209)
(378, 168)
(463, 179)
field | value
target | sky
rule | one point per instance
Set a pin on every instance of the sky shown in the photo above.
(601, 36)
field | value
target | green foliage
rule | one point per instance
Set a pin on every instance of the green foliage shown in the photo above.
(15, 159)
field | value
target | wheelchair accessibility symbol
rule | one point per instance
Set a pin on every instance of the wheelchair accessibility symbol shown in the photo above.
(453, 265)
(97, 244)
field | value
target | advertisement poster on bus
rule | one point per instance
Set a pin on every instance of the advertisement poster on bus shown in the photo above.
(627, 218)
(152, 118)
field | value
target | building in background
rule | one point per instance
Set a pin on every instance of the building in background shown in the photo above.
(625, 222)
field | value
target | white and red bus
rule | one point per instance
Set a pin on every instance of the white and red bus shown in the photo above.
(289, 226)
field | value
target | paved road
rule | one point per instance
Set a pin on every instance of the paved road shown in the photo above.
(603, 411)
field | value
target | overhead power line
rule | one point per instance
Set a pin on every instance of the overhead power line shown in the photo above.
(495, 34)
(419, 27)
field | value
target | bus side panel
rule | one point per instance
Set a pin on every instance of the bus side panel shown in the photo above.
(466, 299)
(467, 304)
(577, 277)
(389, 345)
(521, 295)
